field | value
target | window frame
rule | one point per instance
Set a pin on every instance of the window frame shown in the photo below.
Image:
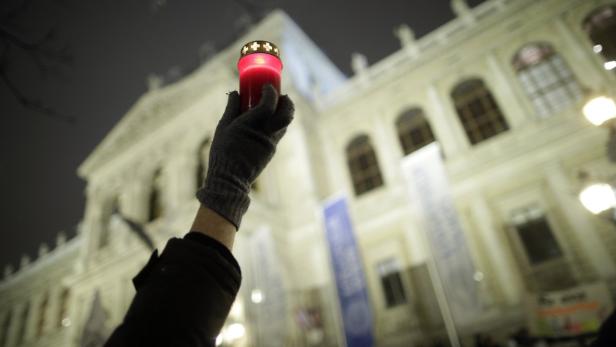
(478, 111)
(409, 121)
(546, 78)
(390, 274)
(363, 165)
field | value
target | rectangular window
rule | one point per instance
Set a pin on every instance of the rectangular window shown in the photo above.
(5, 328)
(538, 240)
(391, 281)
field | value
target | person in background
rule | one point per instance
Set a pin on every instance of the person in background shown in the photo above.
(184, 294)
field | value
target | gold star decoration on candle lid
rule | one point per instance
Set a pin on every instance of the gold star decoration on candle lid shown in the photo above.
(260, 47)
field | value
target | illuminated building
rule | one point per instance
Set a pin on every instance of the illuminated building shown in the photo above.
(500, 88)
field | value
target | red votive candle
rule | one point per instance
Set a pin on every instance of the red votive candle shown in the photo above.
(259, 64)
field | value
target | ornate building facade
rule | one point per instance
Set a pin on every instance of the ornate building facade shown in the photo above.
(500, 88)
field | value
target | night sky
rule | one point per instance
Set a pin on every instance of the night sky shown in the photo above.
(114, 45)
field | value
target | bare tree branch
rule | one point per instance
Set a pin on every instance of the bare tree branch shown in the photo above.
(32, 104)
(46, 56)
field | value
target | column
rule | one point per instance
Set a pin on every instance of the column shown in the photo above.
(512, 106)
(506, 276)
(387, 147)
(579, 222)
(334, 161)
(447, 128)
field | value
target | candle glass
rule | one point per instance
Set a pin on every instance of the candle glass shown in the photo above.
(259, 65)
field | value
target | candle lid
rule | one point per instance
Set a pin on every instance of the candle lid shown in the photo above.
(260, 46)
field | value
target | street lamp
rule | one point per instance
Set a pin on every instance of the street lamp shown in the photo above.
(598, 198)
(256, 296)
(600, 110)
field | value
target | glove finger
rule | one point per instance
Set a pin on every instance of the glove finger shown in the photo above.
(232, 110)
(282, 117)
(264, 110)
(278, 135)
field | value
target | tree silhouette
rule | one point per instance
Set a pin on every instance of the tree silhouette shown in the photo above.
(45, 51)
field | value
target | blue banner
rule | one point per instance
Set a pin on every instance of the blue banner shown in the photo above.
(349, 274)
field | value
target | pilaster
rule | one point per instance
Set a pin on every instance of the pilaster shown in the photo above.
(503, 271)
(578, 219)
(514, 112)
(447, 128)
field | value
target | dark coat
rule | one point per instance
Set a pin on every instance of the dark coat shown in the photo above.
(607, 333)
(183, 296)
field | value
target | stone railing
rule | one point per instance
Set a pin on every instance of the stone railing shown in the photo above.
(44, 254)
(437, 39)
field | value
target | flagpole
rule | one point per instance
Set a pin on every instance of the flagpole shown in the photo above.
(441, 297)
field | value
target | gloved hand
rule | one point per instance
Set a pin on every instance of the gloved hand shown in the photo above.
(243, 144)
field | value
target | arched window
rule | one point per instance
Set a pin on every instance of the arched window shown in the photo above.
(202, 161)
(155, 206)
(413, 130)
(63, 310)
(546, 78)
(40, 328)
(363, 165)
(480, 115)
(600, 26)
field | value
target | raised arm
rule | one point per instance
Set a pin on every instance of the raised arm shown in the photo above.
(185, 294)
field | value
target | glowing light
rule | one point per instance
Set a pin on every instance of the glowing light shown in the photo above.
(259, 60)
(233, 332)
(610, 65)
(237, 310)
(256, 296)
(598, 197)
(599, 110)
(219, 340)
(597, 48)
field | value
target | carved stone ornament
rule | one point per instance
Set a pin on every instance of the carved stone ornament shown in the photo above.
(359, 63)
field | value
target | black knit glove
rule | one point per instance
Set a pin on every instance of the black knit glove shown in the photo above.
(243, 145)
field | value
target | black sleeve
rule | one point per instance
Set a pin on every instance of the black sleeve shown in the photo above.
(183, 296)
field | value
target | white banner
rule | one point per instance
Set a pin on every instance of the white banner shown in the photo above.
(430, 194)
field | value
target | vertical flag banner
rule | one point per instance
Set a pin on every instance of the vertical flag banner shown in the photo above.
(430, 192)
(348, 272)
